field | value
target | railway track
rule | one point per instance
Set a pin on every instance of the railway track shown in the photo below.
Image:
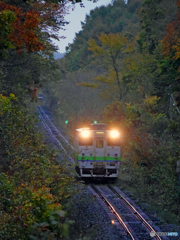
(115, 213)
(124, 215)
(130, 222)
(55, 135)
(138, 216)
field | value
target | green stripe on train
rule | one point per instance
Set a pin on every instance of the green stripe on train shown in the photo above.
(91, 158)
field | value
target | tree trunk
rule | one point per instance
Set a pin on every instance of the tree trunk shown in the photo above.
(118, 81)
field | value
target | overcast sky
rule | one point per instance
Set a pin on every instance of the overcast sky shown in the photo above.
(75, 18)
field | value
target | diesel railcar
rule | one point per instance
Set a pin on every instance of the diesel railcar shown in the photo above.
(99, 151)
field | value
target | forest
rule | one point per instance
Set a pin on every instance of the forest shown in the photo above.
(123, 69)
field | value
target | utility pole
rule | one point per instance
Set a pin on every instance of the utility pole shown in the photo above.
(173, 104)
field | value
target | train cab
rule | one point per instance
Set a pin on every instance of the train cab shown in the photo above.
(99, 151)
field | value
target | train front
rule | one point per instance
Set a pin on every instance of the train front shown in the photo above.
(99, 151)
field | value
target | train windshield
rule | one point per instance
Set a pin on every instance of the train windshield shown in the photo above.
(99, 143)
(86, 141)
(113, 142)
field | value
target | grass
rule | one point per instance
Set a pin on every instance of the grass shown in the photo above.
(150, 206)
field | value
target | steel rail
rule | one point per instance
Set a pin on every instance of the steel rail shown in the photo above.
(56, 129)
(51, 133)
(113, 211)
(136, 213)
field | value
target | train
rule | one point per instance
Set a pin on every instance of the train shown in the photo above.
(99, 151)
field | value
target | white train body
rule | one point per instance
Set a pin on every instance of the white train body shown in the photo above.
(99, 151)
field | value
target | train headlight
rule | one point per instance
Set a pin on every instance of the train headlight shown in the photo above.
(114, 134)
(85, 133)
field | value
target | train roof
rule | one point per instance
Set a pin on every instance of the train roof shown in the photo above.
(97, 126)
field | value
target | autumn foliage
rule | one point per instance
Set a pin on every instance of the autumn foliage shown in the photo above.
(171, 41)
(24, 27)
(30, 24)
(32, 184)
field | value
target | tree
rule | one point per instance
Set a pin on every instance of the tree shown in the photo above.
(6, 18)
(154, 15)
(168, 79)
(27, 28)
(171, 41)
(32, 23)
(114, 18)
(111, 48)
(33, 183)
(23, 28)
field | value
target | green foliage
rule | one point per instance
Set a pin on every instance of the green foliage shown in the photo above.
(83, 84)
(114, 18)
(160, 182)
(154, 17)
(33, 185)
(6, 18)
(150, 146)
(112, 47)
(129, 50)
(173, 126)
(23, 32)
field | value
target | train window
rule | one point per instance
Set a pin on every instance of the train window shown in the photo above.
(99, 143)
(113, 142)
(86, 141)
